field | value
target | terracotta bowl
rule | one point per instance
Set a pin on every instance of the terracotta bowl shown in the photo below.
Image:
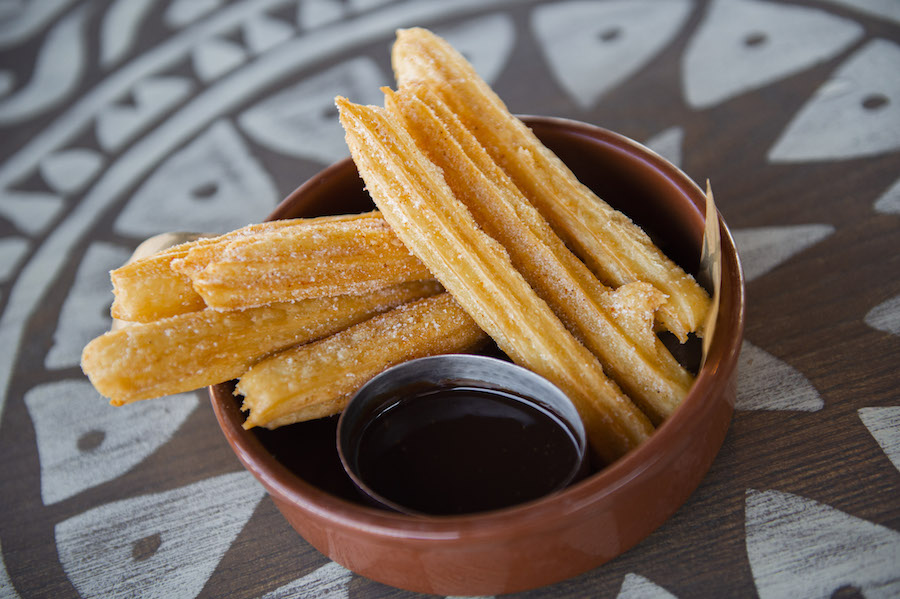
(556, 537)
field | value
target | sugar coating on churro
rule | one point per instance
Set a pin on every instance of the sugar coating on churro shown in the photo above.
(159, 286)
(636, 360)
(317, 379)
(304, 311)
(616, 249)
(314, 259)
(193, 350)
(414, 198)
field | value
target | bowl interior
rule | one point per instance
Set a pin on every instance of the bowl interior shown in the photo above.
(654, 194)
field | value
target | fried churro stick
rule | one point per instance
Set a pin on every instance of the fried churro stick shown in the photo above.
(192, 350)
(613, 247)
(167, 283)
(640, 363)
(317, 379)
(475, 269)
(316, 258)
(149, 289)
(200, 255)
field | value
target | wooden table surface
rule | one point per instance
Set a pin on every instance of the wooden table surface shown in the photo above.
(120, 119)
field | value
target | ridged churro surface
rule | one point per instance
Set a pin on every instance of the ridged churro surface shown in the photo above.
(616, 249)
(193, 350)
(636, 360)
(317, 379)
(414, 198)
(156, 286)
(312, 258)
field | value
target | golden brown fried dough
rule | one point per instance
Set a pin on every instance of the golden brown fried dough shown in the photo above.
(313, 258)
(317, 379)
(414, 198)
(192, 350)
(613, 247)
(150, 288)
(639, 362)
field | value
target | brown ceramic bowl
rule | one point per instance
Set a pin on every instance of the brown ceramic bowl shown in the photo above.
(553, 538)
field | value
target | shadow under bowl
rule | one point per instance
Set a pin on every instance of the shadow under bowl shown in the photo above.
(549, 539)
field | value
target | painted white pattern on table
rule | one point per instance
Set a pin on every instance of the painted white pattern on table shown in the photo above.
(763, 248)
(139, 159)
(216, 57)
(94, 102)
(212, 185)
(301, 120)
(151, 98)
(667, 143)
(184, 12)
(318, 13)
(885, 316)
(12, 251)
(889, 201)
(638, 587)
(884, 425)
(765, 382)
(30, 211)
(83, 441)
(119, 28)
(362, 5)
(85, 311)
(330, 581)
(276, 64)
(887, 9)
(743, 45)
(20, 20)
(161, 545)
(796, 543)
(856, 113)
(592, 47)
(262, 33)
(69, 171)
(7, 82)
(486, 43)
(7, 590)
(58, 70)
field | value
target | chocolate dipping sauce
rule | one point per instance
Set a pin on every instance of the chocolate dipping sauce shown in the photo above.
(458, 449)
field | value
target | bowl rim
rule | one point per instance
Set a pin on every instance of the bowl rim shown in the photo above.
(549, 511)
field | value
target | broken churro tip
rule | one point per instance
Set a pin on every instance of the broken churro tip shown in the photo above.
(149, 289)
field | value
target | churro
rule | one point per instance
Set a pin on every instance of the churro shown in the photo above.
(196, 349)
(317, 379)
(414, 198)
(265, 263)
(150, 288)
(315, 258)
(638, 362)
(615, 249)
